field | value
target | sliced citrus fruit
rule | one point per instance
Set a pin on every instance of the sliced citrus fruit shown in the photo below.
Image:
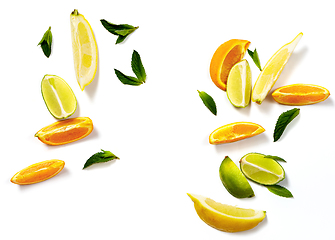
(38, 172)
(239, 84)
(224, 58)
(58, 96)
(65, 131)
(300, 94)
(225, 217)
(85, 50)
(272, 70)
(233, 179)
(261, 169)
(234, 132)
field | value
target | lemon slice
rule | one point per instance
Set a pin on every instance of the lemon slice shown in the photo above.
(85, 50)
(272, 70)
(261, 169)
(58, 96)
(225, 217)
(233, 179)
(239, 84)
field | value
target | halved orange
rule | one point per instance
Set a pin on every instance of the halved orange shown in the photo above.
(224, 58)
(38, 172)
(300, 94)
(65, 131)
(234, 132)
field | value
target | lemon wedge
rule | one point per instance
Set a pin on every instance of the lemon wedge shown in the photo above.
(85, 50)
(272, 70)
(225, 217)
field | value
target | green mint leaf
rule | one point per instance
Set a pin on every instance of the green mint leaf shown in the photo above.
(274, 158)
(284, 119)
(208, 101)
(99, 157)
(128, 80)
(46, 42)
(280, 191)
(254, 56)
(137, 66)
(121, 30)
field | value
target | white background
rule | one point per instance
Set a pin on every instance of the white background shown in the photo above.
(160, 129)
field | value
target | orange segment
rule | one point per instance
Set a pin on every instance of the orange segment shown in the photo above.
(224, 58)
(38, 172)
(235, 131)
(300, 94)
(65, 131)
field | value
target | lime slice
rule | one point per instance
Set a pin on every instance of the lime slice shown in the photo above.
(58, 96)
(239, 84)
(233, 179)
(261, 169)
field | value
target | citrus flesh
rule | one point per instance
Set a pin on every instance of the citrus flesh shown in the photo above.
(65, 131)
(239, 84)
(224, 58)
(58, 96)
(263, 170)
(272, 70)
(300, 94)
(233, 179)
(225, 217)
(85, 50)
(234, 132)
(38, 172)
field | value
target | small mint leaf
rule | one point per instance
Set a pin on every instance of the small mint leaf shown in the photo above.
(208, 101)
(274, 158)
(128, 80)
(254, 56)
(46, 42)
(280, 191)
(137, 66)
(99, 157)
(284, 119)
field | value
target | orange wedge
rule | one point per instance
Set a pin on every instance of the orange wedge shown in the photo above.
(224, 58)
(234, 132)
(300, 94)
(65, 131)
(38, 172)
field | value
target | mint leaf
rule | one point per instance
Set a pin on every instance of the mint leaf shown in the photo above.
(121, 30)
(46, 42)
(208, 101)
(280, 191)
(284, 119)
(274, 158)
(137, 66)
(254, 56)
(99, 157)
(128, 80)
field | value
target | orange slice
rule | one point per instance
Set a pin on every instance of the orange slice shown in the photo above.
(300, 94)
(38, 172)
(234, 132)
(224, 58)
(65, 131)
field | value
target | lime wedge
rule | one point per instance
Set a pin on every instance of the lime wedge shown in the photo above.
(261, 169)
(239, 84)
(58, 96)
(233, 179)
